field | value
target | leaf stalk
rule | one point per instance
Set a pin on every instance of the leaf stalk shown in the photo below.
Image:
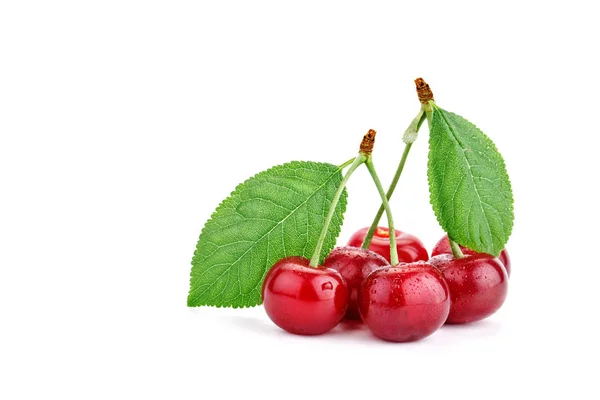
(456, 251)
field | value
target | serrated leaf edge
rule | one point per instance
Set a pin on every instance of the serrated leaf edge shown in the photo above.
(335, 233)
(503, 164)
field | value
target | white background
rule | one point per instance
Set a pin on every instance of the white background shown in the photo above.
(123, 124)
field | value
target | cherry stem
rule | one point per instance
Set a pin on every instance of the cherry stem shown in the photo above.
(369, 236)
(360, 159)
(388, 212)
(456, 251)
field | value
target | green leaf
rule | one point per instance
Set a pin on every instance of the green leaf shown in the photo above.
(470, 191)
(276, 213)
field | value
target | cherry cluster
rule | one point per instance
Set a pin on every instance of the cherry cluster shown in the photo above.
(385, 277)
(400, 303)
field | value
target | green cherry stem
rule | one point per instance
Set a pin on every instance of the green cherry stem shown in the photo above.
(425, 96)
(412, 131)
(388, 211)
(314, 261)
(366, 147)
(369, 236)
(456, 252)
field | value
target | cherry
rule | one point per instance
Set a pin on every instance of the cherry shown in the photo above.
(478, 285)
(410, 248)
(404, 303)
(354, 264)
(443, 247)
(304, 300)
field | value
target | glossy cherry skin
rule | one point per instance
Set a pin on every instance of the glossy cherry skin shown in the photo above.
(354, 264)
(404, 303)
(304, 300)
(478, 285)
(443, 247)
(410, 248)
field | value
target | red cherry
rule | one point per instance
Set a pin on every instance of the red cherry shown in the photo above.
(410, 248)
(443, 247)
(354, 264)
(404, 303)
(478, 285)
(304, 300)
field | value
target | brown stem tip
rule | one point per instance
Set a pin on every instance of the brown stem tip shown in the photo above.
(368, 141)
(423, 91)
